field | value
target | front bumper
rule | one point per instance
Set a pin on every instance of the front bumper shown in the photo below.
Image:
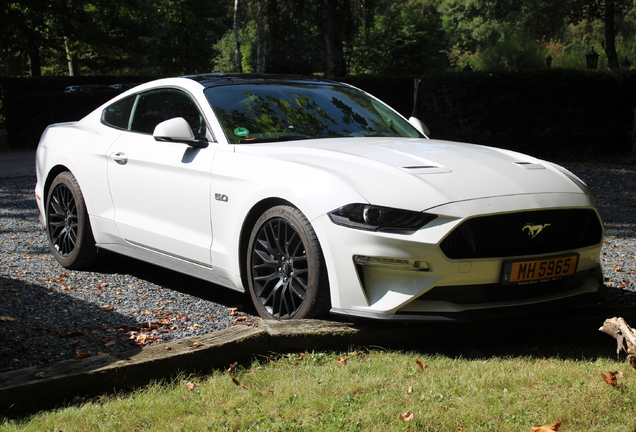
(439, 288)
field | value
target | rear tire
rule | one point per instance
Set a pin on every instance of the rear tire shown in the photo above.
(286, 270)
(67, 225)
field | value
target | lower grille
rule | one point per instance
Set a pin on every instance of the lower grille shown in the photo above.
(475, 294)
(523, 233)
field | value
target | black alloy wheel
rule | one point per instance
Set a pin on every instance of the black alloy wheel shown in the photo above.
(67, 224)
(287, 273)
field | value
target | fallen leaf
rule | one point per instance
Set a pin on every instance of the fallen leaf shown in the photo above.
(546, 428)
(191, 386)
(107, 308)
(410, 390)
(420, 365)
(81, 354)
(342, 361)
(232, 367)
(610, 378)
(142, 339)
(407, 416)
(6, 318)
(40, 375)
(197, 344)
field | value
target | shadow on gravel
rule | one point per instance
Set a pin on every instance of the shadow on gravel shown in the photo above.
(113, 263)
(42, 326)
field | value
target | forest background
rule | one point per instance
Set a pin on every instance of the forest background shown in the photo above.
(333, 37)
(530, 81)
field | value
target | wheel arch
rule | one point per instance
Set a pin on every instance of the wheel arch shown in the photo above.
(246, 230)
(54, 172)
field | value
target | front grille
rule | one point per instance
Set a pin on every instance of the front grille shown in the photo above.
(523, 233)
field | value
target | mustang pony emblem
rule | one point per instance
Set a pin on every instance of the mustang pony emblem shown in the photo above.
(534, 230)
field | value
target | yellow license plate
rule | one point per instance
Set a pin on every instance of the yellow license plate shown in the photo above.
(535, 270)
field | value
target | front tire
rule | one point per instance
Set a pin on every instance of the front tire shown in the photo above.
(286, 270)
(67, 225)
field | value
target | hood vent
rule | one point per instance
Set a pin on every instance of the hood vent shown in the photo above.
(421, 167)
(529, 165)
(426, 169)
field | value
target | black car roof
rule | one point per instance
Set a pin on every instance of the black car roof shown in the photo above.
(218, 79)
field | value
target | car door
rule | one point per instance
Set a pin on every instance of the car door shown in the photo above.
(161, 190)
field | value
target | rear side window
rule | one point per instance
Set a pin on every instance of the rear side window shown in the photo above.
(118, 114)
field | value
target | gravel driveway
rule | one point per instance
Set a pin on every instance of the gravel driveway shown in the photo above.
(48, 313)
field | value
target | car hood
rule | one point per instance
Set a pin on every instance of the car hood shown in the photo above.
(420, 174)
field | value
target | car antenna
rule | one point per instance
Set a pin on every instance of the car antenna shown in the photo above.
(417, 84)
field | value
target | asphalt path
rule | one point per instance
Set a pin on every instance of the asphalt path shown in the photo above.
(17, 164)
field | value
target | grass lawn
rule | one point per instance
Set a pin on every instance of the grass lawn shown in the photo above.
(491, 383)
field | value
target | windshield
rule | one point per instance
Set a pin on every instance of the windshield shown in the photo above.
(252, 113)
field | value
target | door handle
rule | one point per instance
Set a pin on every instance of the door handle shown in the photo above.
(120, 158)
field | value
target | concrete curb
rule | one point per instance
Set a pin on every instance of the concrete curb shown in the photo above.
(39, 388)
(33, 389)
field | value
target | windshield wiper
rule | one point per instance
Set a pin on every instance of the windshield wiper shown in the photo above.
(252, 140)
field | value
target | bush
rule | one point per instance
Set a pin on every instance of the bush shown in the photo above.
(551, 113)
(29, 105)
(546, 113)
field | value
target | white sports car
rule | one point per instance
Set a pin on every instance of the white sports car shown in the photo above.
(316, 197)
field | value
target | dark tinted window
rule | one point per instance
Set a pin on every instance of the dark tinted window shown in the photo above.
(156, 106)
(118, 114)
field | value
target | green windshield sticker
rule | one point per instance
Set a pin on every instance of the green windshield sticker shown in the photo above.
(241, 131)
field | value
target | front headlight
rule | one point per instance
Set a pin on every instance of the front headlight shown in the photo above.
(375, 218)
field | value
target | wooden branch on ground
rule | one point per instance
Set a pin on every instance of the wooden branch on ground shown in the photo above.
(625, 337)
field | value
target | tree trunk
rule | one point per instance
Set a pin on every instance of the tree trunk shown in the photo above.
(625, 337)
(261, 37)
(34, 60)
(237, 40)
(333, 45)
(610, 35)
(71, 60)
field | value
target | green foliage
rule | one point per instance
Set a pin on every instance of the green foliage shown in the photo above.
(513, 35)
(406, 38)
(113, 36)
(173, 37)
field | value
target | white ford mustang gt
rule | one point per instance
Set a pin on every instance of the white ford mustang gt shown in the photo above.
(315, 197)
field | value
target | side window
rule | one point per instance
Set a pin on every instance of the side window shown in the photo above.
(118, 114)
(156, 106)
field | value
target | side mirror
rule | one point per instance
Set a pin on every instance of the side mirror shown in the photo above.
(420, 126)
(178, 130)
